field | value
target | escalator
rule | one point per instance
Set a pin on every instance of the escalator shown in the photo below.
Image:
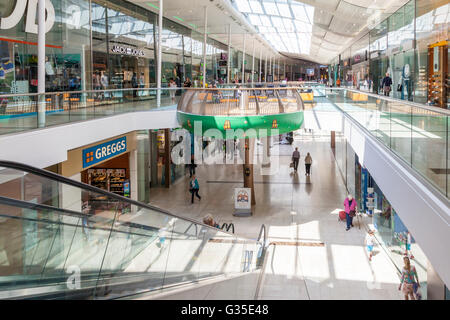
(54, 245)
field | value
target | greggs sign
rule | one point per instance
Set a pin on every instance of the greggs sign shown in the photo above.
(104, 151)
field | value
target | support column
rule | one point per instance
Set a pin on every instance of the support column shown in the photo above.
(41, 63)
(229, 55)
(243, 61)
(248, 167)
(265, 70)
(205, 35)
(159, 62)
(253, 63)
(260, 65)
(333, 139)
(167, 161)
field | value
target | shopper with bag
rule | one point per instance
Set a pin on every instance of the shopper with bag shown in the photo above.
(386, 84)
(295, 159)
(350, 210)
(409, 279)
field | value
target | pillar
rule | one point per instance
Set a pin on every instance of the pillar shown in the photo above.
(333, 139)
(167, 176)
(205, 36)
(243, 61)
(159, 62)
(248, 166)
(229, 55)
(41, 63)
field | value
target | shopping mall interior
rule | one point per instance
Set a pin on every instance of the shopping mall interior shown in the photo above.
(224, 150)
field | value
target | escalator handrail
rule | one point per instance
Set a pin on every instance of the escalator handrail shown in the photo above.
(262, 232)
(81, 185)
(227, 226)
(28, 205)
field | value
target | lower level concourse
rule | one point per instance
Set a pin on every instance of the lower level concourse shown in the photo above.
(312, 256)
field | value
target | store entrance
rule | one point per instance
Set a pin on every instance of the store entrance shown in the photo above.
(112, 176)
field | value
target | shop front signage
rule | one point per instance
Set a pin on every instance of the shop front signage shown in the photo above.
(128, 51)
(104, 151)
(30, 24)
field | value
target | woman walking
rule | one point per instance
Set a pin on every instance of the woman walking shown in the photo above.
(409, 277)
(308, 162)
(193, 188)
(350, 210)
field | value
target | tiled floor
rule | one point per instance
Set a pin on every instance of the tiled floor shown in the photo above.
(294, 208)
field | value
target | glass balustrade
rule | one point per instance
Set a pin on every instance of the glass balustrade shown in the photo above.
(63, 239)
(22, 112)
(418, 134)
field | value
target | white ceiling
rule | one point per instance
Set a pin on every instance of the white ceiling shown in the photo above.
(336, 23)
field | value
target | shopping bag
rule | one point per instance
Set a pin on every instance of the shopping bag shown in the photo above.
(291, 165)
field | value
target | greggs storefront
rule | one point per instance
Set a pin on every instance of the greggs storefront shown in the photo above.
(109, 165)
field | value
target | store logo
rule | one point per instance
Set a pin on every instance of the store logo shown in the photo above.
(127, 50)
(30, 24)
(104, 151)
(227, 125)
(274, 124)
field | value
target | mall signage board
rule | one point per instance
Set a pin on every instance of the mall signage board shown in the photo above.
(242, 201)
(128, 51)
(104, 151)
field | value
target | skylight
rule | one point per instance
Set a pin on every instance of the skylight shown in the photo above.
(285, 24)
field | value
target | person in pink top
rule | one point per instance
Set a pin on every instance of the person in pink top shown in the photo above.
(350, 210)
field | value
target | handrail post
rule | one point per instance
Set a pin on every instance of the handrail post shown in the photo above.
(280, 104)
(256, 101)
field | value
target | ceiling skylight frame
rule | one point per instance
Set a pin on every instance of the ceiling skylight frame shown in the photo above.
(279, 21)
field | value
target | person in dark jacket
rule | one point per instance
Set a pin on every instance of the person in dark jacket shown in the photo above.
(386, 84)
(194, 187)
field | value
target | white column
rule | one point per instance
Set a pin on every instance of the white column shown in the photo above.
(253, 62)
(134, 175)
(229, 55)
(159, 53)
(284, 70)
(205, 36)
(260, 65)
(265, 70)
(243, 60)
(41, 63)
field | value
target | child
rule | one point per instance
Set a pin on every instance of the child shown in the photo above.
(370, 241)
(408, 246)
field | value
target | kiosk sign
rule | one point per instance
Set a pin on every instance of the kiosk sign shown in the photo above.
(242, 202)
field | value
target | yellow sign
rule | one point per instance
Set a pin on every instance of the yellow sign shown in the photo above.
(227, 125)
(274, 124)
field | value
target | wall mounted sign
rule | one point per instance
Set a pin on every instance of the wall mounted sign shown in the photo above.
(128, 51)
(30, 24)
(104, 151)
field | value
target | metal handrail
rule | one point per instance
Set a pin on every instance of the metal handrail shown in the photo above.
(227, 226)
(81, 185)
(86, 91)
(262, 232)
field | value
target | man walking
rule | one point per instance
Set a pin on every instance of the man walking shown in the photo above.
(386, 84)
(193, 188)
(295, 158)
